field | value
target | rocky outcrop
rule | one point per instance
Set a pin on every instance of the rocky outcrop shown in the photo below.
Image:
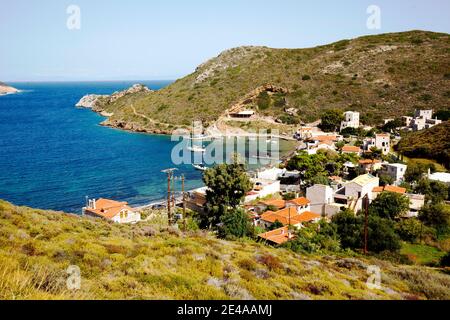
(6, 89)
(91, 101)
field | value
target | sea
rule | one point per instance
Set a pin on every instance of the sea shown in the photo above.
(54, 155)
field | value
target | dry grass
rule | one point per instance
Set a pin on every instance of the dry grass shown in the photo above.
(134, 262)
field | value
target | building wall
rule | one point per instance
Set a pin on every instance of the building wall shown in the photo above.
(319, 195)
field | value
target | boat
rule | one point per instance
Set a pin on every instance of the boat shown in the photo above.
(196, 149)
(200, 167)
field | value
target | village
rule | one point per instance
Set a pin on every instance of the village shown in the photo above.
(291, 196)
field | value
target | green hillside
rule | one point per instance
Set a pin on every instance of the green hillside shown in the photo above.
(151, 261)
(433, 143)
(381, 76)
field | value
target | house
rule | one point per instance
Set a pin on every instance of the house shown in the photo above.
(264, 205)
(262, 188)
(351, 120)
(273, 173)
(246, 114)
(416, 203)
(351, 150)
(378, 190)
(301, 204)
(394, 170)
(381, 141)
(115, 211)
(277, 236)
(304, 133)
(319, 195)
(439, 176)
(369, 165)
(352, 193)
(423, 119)
(196, 200)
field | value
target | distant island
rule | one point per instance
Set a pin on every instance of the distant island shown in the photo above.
(381, 76)
(6, 89)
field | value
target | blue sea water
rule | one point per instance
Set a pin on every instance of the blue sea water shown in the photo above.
(53, 155)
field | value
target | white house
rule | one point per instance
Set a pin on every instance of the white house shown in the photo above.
(352, 193)
(351, 120)
(395, 170)
(115, 211)
(320, 195)
(439, 176)
(381, 141)
(263, 188)
(271, 174)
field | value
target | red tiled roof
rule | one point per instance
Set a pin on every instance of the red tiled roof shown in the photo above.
(109, 208)
(390, 189)
(279, 203)
(351, 149)
(300, 201)
(277, 236)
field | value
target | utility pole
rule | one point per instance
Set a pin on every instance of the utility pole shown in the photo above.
(169, 173)
(366, 222)
(184, 201)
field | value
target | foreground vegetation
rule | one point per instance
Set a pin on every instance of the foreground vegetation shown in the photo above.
(151, 261)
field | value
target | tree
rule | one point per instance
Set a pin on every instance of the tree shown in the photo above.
(235, 224)
(382, 236)
(389, 205)
(348, 227)
(331, 120)
(227, 186)
(409, 229)
(436, 215)
(435, 191)
(316, 237)
(381, 232)
(386, 180)
(276, 225)
(308, 165)
(392, 125)
(415, 171)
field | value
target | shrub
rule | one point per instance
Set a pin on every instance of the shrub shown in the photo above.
(271, 262)
(445, 261)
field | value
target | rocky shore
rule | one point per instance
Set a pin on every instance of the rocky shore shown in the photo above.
(6, 89)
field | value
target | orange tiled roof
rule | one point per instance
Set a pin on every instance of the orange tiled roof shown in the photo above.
(279, 203)
(278, 236)
(350, 149)
(108, 208)
(282, 216)
(390, 189)
(368, 161)
(324, 138)
(300, 201)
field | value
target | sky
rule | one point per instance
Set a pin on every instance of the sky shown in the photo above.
(168, 39)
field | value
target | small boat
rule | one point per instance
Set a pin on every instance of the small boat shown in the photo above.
(196, 149)
(200, 167)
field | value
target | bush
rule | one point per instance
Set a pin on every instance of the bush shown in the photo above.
(445, 261)
(236, 224)
(409, 230)
(306, 77)
(263, 101)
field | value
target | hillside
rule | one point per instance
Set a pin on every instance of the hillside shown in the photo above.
(154, 262)
(433, 143)
(381, 76)
(6, 89)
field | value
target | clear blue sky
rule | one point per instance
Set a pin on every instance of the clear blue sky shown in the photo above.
(167, 39)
